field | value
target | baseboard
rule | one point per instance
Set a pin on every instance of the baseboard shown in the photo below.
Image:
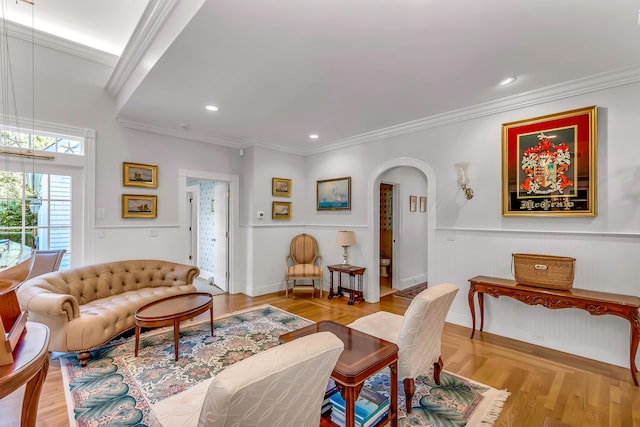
(412, 281)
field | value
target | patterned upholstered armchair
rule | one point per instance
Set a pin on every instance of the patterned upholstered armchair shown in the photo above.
(417, 334)
(303, 264)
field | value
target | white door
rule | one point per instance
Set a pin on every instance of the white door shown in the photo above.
(221, 235)
(193, 195)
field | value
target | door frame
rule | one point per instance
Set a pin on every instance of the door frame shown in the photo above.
(233, 214)
(372, 287)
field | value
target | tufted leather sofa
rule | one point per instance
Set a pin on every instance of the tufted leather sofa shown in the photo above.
(85, 307)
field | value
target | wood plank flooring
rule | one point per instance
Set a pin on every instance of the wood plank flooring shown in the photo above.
(548, 388)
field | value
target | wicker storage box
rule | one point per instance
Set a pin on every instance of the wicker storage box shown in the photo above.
(544, 271)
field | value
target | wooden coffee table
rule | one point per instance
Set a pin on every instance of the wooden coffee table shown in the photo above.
(363, 356)
(171, 311)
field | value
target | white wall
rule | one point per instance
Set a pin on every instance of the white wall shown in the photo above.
(472, 236)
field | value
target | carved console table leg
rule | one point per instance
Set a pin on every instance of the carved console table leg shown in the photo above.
(635, 340)
(473, 310)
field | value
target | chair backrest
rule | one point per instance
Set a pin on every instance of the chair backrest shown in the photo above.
(282, 386)
(304, 249)
(419, 340)
(46, 262)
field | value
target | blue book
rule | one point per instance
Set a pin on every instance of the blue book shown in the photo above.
(369, 406)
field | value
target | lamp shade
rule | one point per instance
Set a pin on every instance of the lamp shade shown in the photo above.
(346, 238)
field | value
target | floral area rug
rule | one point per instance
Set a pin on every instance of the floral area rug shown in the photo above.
(116, 388)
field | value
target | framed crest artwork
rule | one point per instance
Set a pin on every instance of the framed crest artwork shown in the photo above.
(549, 165)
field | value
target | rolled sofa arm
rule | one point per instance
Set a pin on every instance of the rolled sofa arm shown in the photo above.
(39, 296)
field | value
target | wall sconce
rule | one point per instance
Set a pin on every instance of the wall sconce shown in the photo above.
(463, 179)
(345, 239)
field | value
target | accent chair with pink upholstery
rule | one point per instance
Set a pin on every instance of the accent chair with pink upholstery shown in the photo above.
(418, 334)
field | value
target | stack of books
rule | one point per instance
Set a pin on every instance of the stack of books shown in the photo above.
(326, 403)
(371, 407)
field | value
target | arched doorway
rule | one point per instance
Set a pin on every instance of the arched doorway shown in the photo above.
(372, 292)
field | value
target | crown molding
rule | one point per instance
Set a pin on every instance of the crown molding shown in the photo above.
(551, 93)
(182, 133)
(543, 95)
(152, 20)
(50, 41)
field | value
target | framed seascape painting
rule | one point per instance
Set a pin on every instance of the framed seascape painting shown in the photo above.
(281, 210)
(549, 165)
(139, 206)
(139, 175)
(281, 187)
(333, 194)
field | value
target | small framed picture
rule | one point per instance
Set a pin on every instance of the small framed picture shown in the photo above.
(413, 201)
(281, 187)
(423, 204)
(139, 206)
(139, 175)
(281, 210)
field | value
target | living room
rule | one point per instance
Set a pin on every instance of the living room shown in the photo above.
(462, 237)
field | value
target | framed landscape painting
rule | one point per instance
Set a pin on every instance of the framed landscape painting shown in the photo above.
(333, 194)
(139, 206)
(139, 175)
(549, 165)
(281, 187)
(281, 210)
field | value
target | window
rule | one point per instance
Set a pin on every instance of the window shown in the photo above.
(42, 188)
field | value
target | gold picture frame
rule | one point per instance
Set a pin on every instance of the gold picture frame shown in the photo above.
(281, 210)
(139, 206)
(139, 175)
(549, 165)
(281, 187)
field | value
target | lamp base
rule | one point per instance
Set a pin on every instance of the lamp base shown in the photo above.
(345, 255)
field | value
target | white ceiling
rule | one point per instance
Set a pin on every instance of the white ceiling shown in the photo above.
(282, 69)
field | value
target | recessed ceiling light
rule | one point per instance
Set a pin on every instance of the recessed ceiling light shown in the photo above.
(211, 108)
(314, 136)
(506, 81)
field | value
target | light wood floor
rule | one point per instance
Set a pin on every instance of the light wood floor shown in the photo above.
(548, 388)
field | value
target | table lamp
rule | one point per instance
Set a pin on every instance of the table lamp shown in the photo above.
(345, 239)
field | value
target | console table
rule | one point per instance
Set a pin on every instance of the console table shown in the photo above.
(356, 293)
(595, 302)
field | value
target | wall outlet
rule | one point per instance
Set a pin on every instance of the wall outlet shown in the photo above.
(537, 336)
(153, 232)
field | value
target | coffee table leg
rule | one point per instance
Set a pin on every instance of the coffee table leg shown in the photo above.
(393, 407)
(137, 339)
(176, 333)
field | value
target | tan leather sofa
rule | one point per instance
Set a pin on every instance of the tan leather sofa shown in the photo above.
(87, 306)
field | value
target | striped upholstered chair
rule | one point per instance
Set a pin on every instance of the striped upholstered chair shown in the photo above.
(303, 264)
